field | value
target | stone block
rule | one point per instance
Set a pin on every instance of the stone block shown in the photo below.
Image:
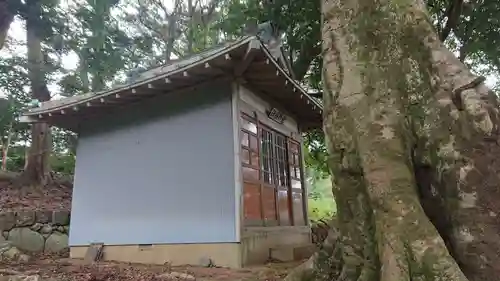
(46, 229)
(56, 243)
(27, 240)
(60, 217)
(36, 227)
(4, 245)
(25, 218)
(43, 216)
(7, 220)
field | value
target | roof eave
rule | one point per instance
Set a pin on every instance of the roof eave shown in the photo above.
(308, 111)
(68, 103)
(250, 47)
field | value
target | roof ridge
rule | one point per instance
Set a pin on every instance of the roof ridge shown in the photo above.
(178, 60)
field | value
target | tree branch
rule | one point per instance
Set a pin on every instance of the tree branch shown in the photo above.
(306, 56)
(36, 61)
(172, 29)
(463, 53)
(453, 14)
(146, 23)
(208, 16)
(190, 31)
(309, 49)
(6, 18)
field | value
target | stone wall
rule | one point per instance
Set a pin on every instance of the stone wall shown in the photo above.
(34, 232)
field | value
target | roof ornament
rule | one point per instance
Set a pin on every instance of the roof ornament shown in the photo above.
(268, 32)
(270, 35)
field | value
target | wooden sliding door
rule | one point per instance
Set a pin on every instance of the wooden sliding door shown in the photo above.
(272, 186)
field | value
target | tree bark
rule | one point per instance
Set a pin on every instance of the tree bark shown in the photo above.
(413, 141)
(37, 166)
(6, 146)
(6, 18)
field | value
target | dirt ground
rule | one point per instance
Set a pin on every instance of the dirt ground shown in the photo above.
(63, 269)
(49, 198)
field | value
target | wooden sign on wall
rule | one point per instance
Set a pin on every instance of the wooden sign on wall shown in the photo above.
(275, 115)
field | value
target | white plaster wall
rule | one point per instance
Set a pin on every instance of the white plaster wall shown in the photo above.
(169, 179)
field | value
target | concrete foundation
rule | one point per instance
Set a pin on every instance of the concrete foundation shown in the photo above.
(221, 254)
(258, 245)
(257, 242)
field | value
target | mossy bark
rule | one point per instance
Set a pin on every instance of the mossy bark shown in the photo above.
(408, 128)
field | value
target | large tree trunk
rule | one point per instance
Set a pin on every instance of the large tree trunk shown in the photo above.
(413, 143)
(6, 18)
(37, 166)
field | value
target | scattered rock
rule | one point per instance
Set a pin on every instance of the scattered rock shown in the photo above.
(7, 220)
(60, 218)
(176, 275)
(25, 218)
(36, 227)
(56, 243)
(26, 239)
(43, 216)
(12, 253)
(9, 272)
(12, 275)
(23, 258)
(4, 245)
(46, 229)
(60, 229)
(25, 278)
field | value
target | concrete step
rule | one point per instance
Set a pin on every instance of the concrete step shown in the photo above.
(286, 253)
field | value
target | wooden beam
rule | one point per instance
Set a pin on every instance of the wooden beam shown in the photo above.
(28, 119)
(316, 95)
(100, 111)
(252, 50)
